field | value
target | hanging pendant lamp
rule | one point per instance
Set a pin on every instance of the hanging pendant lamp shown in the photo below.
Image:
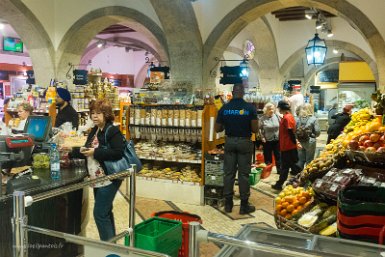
(316, 51)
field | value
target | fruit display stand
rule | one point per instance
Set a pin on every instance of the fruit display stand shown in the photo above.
(170, 140)
(356, 157)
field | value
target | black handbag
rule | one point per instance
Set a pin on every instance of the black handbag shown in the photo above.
(129, 157)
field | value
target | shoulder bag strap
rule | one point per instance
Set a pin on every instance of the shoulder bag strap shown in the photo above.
(105, 136)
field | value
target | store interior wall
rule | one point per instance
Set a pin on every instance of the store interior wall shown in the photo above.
(216, 31)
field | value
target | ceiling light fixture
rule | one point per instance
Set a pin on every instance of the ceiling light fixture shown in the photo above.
(335, 51)
(320, 21)
(316, 51)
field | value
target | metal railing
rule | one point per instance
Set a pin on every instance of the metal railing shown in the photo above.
(20, 227)
(198, 235)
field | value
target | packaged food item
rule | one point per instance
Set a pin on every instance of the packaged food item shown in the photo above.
(170, 116)
(153, 116)
(137, 115)
(176, 117)
(164, 116)
(148, 116)
(199, 116)
(142, 116)
(194, 117)
(367, 181)
(182, 116)
(188, 117)
(159, 116)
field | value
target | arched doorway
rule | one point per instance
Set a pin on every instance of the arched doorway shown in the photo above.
(249, 10)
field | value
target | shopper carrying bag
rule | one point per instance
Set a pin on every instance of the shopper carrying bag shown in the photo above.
(129, 157)
(110, 148)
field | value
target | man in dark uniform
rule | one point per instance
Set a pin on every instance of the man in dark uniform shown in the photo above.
(239, 119)
(66, 112)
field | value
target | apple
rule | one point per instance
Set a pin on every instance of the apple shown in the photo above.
(364, 138)
(382, 138)
(370, 149)
(374, 137)
(362, 148)
(354, 145)
(368, 143)
(381, 150)
(377, 145)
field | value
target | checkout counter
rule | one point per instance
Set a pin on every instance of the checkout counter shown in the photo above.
(61, 213)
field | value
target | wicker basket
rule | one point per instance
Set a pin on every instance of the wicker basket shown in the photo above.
(286, 224)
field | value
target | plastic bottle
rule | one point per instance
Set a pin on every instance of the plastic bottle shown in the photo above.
(54, 162)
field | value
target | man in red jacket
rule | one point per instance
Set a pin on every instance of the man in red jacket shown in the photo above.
(287, 145)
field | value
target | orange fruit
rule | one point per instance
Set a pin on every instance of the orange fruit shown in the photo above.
(307, 204)
(278, 207)
(305, 194)
(295, 203)
(283, 212)
(303, 200)
(290, 208)
(288, 216)
(381, 129)
(285, 204)
(294, 212)
(289, 199)
(299, 208)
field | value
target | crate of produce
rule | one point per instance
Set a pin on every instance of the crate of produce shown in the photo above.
(185, 218)
(158, 235)
(214, 179)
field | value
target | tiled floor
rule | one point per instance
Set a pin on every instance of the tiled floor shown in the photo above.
(213, 219)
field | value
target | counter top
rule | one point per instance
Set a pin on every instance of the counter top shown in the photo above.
(68, 176)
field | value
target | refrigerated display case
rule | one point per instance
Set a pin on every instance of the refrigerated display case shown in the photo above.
(358, 94)
(303, 244)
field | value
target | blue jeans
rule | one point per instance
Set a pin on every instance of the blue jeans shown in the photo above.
(306, 154)
(104, 218)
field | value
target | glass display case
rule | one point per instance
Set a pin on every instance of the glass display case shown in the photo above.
(358, 94)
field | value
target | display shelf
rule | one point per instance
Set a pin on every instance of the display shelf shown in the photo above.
(168, 160)
(172, 190)
(170, 127)
(169, 190)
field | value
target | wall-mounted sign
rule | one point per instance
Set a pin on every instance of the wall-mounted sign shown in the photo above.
(30, 77)
(80, 77)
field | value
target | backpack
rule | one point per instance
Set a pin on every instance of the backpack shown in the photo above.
(303, 131)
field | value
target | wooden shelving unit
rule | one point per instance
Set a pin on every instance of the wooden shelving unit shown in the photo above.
(184, 192)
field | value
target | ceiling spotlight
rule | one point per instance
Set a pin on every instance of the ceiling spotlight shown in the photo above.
(335, 51)
(330, 33)
(2, 26)
(320, 21)
(318, 24)
(309, 13)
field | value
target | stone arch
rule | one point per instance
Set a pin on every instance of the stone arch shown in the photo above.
(93, 50)
(33, 34)
(238, 18)
(84, 30)
(300, 54)
(184, 40)
(312, 72)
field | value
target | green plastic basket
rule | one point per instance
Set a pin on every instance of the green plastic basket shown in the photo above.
(158, 235)
(255, 176)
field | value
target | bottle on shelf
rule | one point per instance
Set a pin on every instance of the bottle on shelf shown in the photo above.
(54, 162)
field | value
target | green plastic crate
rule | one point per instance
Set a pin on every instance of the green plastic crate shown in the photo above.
(158, 235)
(361, 200)
(255, 176)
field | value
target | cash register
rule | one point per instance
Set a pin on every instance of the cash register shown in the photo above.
(16, 151)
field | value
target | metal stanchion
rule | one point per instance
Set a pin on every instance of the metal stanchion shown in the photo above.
(131, 223)
(19, 220)
(193, 243)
